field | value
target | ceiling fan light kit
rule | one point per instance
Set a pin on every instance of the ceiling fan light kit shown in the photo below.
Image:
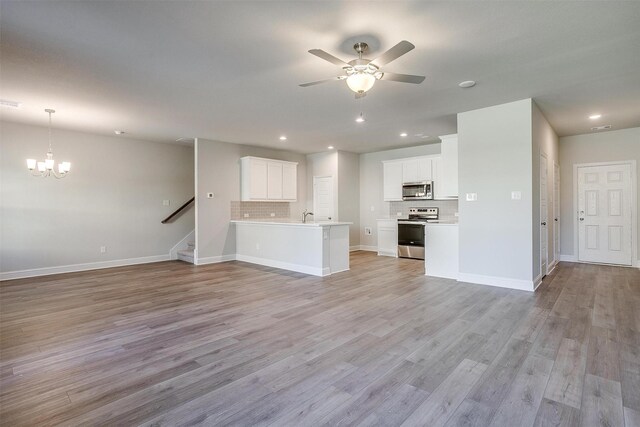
(361, 73)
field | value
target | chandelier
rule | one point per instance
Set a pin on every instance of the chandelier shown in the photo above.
(47, 167)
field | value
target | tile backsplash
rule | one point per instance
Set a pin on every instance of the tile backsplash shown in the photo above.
(259, 210)
(448, 208)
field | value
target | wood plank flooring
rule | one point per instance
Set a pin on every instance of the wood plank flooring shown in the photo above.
(237, 344)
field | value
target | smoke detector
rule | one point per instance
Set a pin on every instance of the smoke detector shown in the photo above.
(605, 127)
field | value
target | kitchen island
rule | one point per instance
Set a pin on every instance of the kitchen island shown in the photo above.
(318, 248)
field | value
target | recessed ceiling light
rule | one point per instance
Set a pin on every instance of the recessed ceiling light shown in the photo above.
(403, 134)
(10, 104)
(330, 147)
(467, 83)
(118, 132)
(283, 138)
(595, 116)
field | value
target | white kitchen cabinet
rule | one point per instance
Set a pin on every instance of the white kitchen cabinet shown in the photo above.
(410, 170)
(388, 237)
(268, 180)
(447, 186)
(441, 250)
(274, 180)
(425, 169)
(289, 181)
(392, 181)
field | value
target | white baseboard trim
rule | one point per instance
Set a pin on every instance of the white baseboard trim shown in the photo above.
(214, 259)
(538, 280)
(10, 275)
(314, 271)
(502, 282)
(363, 248)
(573, 258)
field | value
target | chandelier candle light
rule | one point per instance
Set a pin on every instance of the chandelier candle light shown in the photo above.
(47, 167)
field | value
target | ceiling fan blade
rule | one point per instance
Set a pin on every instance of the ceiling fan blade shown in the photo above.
(394, 53)
(323, 81)
(403, 78)
(328, 57)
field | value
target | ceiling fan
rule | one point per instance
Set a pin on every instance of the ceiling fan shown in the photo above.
(362, 73)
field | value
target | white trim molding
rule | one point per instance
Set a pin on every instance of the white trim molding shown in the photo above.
(363, 248)
(568, 258)
(501, 282)
(214, 259)
(46, 271)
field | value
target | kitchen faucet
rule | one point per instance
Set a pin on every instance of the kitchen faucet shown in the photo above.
(304, 215)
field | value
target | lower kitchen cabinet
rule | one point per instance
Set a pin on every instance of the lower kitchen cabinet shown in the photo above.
(441, 250)
(388, 237)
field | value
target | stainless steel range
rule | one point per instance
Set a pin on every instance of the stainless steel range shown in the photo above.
(411, 232)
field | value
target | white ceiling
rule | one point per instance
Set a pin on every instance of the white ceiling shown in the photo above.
(230, 70)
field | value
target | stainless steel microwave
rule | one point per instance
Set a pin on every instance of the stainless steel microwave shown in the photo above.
(417, 190)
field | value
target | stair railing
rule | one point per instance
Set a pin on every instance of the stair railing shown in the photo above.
(179, 210)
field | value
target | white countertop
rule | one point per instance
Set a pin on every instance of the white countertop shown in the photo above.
(290, 222)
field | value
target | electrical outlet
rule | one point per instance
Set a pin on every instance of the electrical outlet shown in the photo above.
(166, 202)
(516, 195)
(373, 208)
(367, 231)
(103, 249)
(257, 246)
(471, 197)
(246, 215)
(398, 213)
(272, 214)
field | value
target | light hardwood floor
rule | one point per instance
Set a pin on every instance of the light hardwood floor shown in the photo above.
(238, 344)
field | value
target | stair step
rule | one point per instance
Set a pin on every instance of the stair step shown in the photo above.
(186, 255)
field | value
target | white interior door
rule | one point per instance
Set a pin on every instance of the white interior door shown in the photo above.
(556, 212)
(544, 230)
(323, 208)
(604, 214)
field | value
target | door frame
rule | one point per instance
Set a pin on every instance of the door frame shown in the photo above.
(556, 214)
(546, 270)
(634, 213)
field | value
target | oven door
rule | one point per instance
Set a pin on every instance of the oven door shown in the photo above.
(411, 234)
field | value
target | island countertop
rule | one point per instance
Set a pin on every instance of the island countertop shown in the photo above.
(290, 222)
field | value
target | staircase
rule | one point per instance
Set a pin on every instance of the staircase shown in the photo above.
(186, 255)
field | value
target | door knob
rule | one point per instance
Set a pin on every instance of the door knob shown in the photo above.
(544, 223)
(581, 219)
(555, 219)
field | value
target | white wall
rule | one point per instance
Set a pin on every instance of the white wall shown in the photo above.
(112, 197)
(349, 193)
(218, 172)
(372, 206)
(495, 158)
(591, 148)
(545, 141)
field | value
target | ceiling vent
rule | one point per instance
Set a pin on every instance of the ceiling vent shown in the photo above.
(605, 127)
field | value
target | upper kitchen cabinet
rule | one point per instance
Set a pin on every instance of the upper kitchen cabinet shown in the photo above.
(268, 180)
(446, 180)
(398, 172)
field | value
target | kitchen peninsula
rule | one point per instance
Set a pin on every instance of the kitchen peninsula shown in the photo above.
(317, 248)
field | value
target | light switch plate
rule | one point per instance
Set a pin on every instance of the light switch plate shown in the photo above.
(166, 202)
(471, 197)
(516, 195)
(246, 215)
(367, 231)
